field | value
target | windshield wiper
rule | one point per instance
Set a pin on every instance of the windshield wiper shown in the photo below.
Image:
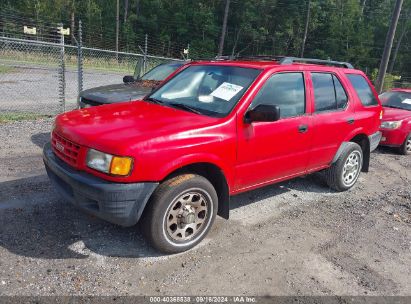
(184, 107)
(151, 99)
(173, 104)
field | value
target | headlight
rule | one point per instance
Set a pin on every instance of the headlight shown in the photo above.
(391, 124)
(108, 163)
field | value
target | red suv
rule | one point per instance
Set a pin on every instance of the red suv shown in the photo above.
(215, 129)
(396, 122)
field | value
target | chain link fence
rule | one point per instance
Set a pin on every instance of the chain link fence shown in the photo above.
(108, 67)
(29, 80)
(45, 78)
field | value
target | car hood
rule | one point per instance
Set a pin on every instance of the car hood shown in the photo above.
(123, 127)
(391, 114)
(118, 92)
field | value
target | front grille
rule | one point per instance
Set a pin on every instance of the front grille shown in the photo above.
(65, 149)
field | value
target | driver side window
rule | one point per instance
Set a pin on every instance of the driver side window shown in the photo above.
(286, 90)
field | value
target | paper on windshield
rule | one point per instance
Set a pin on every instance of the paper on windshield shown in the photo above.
(407, 101)
(226, 91)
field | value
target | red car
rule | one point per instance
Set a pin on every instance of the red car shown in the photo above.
(215, 129)
(396, 122)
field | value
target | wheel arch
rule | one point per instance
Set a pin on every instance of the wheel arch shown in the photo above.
(217, 178)
(364, 142)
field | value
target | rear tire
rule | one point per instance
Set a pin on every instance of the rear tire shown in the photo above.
(180, 213)
(344, 172)
(405, 149)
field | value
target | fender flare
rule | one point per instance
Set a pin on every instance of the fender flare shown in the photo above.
(192, 159)
(339, 151)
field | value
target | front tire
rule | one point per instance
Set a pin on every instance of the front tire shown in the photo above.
(344, 173)
(405, 149)
(180, 213)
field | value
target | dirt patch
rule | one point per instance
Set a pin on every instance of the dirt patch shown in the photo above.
(294, 238)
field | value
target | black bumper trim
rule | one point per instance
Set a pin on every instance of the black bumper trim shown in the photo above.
(118, 203)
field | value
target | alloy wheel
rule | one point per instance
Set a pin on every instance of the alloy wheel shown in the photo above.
(352, 168)
(187, 216)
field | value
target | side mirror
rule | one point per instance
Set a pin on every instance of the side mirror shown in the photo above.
(128, 79)
(263, 113)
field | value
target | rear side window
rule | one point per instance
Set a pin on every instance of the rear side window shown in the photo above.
(285, 90)
(363, 90)
(329, 94)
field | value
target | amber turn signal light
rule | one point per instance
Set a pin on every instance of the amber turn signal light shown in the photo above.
(121, 165)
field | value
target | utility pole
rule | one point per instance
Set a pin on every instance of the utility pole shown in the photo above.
(388, 46)
(117, 26)
(307, 23)
(399, 41)
(222, 38)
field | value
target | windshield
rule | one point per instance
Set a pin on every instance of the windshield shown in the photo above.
(400, 100)
(161, 71)
(212, 90)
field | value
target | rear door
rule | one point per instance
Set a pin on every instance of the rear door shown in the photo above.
(268, 151)
(369, 107)
(333, 117)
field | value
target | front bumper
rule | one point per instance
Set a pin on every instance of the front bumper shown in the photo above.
(393, 138)
(374, 140)
(118, 203)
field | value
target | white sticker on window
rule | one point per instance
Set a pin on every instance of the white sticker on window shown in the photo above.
(407, 101)
(226, 91)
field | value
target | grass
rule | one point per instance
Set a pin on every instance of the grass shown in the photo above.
(6, 69)
(49, 59)
(20, 116)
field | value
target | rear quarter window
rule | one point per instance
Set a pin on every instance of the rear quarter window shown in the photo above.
(363, 89)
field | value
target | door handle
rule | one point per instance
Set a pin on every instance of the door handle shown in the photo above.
(350, 121)
(303, 128)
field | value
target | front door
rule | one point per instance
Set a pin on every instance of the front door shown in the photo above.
(268, 151)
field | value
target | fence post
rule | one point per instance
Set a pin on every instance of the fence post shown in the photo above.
(80, 60)
(145, 53)
(61, 71)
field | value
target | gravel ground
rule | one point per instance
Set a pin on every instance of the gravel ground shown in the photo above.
(294, 238)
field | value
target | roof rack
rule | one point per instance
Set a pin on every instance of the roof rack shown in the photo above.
(260, 57)
(216, 58)
(283, 60)
(291, 60)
